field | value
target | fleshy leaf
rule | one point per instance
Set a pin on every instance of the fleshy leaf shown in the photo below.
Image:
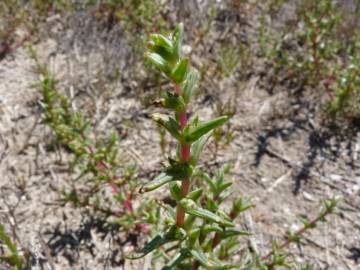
(193, 133)
(180, 71)
(158, 61)
(169, 124)
(209, 228)
(159, 181)
(162, 46)
(195, 194)
(176, 260)
(193, 236)
(234, 232)
(224, 186)
(14, 257)
(179, 170)
(175, 191)
(197, 147)
(162, 41)
(241, 204)
(177, 39)
(189, 85)
(155, 243)
(191, 208)
(173, 102)
(171, 235)
(208, 263)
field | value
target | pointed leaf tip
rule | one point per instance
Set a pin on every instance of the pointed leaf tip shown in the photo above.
(180, 71)
(159, 181)
(195, 132)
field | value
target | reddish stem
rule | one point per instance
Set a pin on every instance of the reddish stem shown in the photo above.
(298, 233)
(104, 168)
(184, 156)
(216, 240)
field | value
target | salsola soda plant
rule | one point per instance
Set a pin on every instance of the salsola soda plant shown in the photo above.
(199, 233)
(344, 86)
(320, 50)
(95, 159)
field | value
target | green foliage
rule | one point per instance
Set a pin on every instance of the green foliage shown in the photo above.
(13, 258)
(321, 20)
(224, 135)
(165, 53)
(229, 59)
(96, 159)
(200, 233)
(20, 20)
(345, 90)
(323, 59)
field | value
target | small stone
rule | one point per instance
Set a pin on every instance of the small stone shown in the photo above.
(335, 177)
(308, 196)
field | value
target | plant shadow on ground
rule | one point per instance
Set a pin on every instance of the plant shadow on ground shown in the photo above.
(70, 241)
(355, 254)
(323, 140)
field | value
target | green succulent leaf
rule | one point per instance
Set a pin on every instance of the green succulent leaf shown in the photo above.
(177, 39)
(155, 243)
(6, 239)
(169, 124)
(158, 61)
(189, 85)
(179, 170)
(162, 46)
(223, 196)
(159, 181)
(209, 228)
(175, 191)
(293, 237)
(197, 147)
(234, 232)
(191, 208)
(240, 205)
(171, 235)
(14, 257)
(174, 102)
(161, 40)
(223, 215)
(211, 264)
(179, 73)
(193, 236)
(211, 204)
(189, 221)
(177, 259)
(209, 181)
(193, 133)
(195, 194)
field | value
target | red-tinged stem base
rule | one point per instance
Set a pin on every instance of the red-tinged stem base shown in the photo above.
(184, 156)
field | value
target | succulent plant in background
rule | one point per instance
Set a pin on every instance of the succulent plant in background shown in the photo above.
(10, 255)
(96, 160)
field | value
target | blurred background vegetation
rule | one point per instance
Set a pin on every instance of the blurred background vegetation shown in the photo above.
(305, 52)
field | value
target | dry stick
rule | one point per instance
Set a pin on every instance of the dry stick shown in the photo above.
(185, 157)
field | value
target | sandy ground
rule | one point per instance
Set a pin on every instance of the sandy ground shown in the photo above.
(284, 156)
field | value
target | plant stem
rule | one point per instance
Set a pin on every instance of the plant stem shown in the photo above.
(299, 233)
(104, 168)
(216, 241)
(185, 157)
